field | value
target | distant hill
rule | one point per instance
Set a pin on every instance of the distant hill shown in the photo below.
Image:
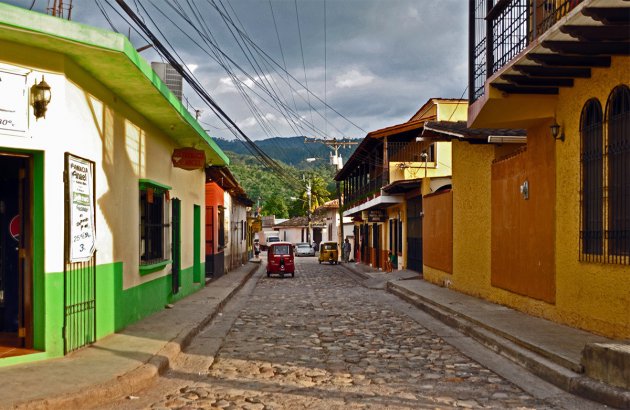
(290, 150)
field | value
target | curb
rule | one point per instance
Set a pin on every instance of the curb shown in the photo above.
(138, 378)
(538, 365)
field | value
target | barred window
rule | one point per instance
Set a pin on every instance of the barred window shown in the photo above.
(592, 159)
(605, 165)
(618, 149)
(154, 226)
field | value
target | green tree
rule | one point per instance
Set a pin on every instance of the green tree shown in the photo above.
(276, 205)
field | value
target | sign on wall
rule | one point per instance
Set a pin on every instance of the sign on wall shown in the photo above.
(81, 208)
(376, 215)
(14, 103)
(189, 158)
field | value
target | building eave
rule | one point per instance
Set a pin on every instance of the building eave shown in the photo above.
(112, 60)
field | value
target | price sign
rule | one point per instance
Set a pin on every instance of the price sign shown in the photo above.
(82, 229)
(14, 104)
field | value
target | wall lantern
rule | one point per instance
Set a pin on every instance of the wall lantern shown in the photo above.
(40, 97)
(556, 131)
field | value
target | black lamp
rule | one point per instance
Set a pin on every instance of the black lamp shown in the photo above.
(40, 97)
(555, 131)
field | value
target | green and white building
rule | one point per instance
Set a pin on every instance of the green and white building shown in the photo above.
(98, 228)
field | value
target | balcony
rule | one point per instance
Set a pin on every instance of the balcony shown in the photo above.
(539, 46)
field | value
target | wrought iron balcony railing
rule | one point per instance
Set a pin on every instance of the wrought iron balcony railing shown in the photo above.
(501, 29)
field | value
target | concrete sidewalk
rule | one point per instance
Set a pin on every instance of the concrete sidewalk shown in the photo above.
(122, 363)
(549, 350)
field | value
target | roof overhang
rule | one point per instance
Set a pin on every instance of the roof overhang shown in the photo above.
(397, 129)
(449, 130)
(585, 38)
(403, 186)
(382, 201)
(111, 59)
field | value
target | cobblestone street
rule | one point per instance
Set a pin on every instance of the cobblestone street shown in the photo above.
(320, 340)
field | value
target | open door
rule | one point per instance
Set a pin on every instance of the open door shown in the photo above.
(16, 313)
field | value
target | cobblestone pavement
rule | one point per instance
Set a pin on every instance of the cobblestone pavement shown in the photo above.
(321, 341)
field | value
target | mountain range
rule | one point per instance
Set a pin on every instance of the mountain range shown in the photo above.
(290, 150)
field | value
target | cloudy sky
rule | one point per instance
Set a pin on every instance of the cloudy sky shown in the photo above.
(374, 62)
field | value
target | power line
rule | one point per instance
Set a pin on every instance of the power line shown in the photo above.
(191, 80)
(297, 17)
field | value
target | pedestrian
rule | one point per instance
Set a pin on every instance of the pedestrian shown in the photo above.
(257, 249)
(389, 263)
(347, 248)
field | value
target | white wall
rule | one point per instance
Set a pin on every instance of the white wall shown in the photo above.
(87, 120)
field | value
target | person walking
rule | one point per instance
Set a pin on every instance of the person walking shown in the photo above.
(347, 248)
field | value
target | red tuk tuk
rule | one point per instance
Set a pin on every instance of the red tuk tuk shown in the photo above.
(280, 259)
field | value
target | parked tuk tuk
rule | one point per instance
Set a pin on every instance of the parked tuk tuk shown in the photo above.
(328, 252)
(280, 259)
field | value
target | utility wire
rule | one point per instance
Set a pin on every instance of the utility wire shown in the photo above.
(308, 91)
(297, 17)
(185, 73)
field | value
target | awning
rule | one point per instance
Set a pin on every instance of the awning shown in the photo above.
(402, 186)
(382, 201)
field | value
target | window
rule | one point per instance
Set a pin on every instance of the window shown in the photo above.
(154, 227)
(605, 173)
(592, 177)
(618, 149)
(281, 250)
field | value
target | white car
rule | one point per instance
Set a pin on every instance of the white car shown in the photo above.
(304, 249)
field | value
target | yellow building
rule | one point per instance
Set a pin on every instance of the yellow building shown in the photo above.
(384, 181)
(546, 228)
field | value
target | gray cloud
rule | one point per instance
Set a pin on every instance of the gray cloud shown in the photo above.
(384, 58)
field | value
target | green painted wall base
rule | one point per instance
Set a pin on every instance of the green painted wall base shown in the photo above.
(115, 308)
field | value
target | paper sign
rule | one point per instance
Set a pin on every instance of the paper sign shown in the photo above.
(82, 229)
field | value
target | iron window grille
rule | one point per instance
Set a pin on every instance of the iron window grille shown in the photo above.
(605, 180)
(154, 224)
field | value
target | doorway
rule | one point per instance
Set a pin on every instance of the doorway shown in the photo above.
(16, 314)
(414, 234)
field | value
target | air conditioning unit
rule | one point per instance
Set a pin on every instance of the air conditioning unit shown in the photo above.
(170, 77)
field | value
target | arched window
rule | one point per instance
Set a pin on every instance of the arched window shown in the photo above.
(592, 159)
(618, 149)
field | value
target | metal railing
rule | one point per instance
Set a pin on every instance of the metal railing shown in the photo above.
(360, 192)
(404, 152)
(501, 29)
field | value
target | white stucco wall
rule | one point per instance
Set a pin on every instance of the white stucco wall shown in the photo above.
(87, 120)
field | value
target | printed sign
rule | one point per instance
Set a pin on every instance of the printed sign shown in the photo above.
(189, 158)
(13, 108)
(82, 229)
(376, 215)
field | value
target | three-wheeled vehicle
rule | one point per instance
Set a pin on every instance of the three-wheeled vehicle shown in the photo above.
(328, 252)
(280, 259)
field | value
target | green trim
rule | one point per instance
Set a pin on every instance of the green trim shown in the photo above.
(153, 267)
(39, 280)
(176, 238)
(112, 60)
(149, 183)
(116, 307)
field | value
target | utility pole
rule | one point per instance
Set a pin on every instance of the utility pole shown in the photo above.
(335, 145)
(308, 194)
(336, 161)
